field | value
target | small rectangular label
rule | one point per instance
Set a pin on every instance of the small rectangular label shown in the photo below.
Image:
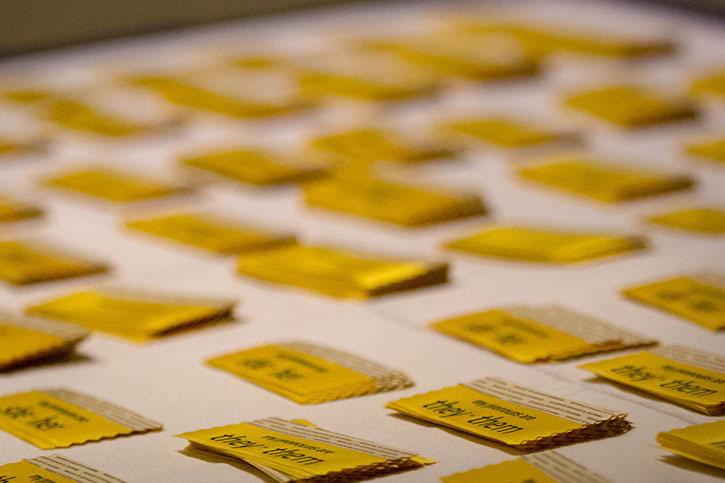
(24, 344)
(702, 442)
(50, 422)
(195, 95)
(53, 469)
(111, 185)
(11, 210)
(457, 55)
(397, 203)
(512, 471)
(471, 411)
(369, 145)
(521, 339)
(339, 273)
(25, 471)
(286, 450)
(29, 262)
(502, 132)
(630, 106)
(709, 221)
(539, 41)
(297, 375)
(601, 180)
(79, 116)
(378, 83)
(710, 83)
(513, 415)
(132, 315)
(690, 385)
(710, 150)
(542, 245)
(294, 456)
(209, 233)
(253, 166)
(691, 297)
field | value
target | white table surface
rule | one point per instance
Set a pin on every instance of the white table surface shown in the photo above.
(167, 380)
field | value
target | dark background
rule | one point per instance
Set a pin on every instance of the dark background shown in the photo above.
(27, 25)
